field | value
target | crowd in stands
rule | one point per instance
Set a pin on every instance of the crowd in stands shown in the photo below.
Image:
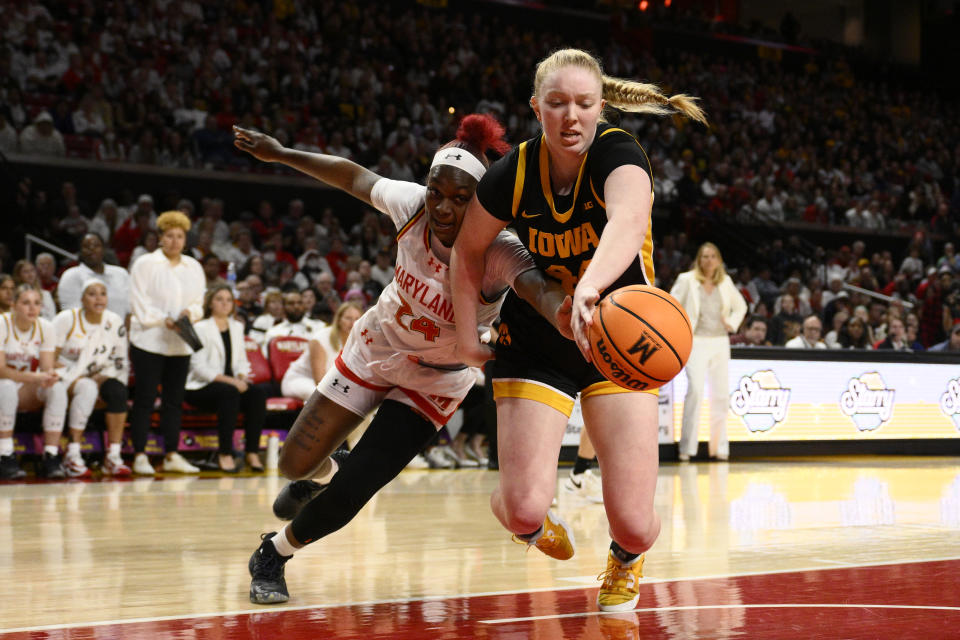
(162, 82)
(852, 298)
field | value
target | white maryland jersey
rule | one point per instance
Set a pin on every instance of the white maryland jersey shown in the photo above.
(415, 311)
(22, 348)
(87, 349)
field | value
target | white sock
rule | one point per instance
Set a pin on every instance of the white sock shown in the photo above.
(328, 476)
(52, 449)
(73, 450)
(6, 446)
(114, 450)
(281, 544)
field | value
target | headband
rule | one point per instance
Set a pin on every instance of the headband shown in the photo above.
(461, 159)
(89, 282)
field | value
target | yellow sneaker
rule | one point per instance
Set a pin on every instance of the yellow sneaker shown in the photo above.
(621, 585)
(556, 540)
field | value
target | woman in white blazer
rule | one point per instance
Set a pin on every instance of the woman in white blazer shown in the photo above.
(218, 379)
(716, 309)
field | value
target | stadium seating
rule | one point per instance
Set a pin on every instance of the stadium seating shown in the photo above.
(282, 352)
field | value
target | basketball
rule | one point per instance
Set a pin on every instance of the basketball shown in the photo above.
(640, 337)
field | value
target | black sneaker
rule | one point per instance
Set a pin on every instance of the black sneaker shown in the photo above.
(266, 568)
(51, 467)
(9, 469)
(295, 496)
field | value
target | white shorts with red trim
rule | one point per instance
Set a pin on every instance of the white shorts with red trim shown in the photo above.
(369, 370)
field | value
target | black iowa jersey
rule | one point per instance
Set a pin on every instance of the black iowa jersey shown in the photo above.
(562, 234)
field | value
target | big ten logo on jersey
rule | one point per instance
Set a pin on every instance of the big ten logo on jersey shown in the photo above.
(760, 401)
(950, 401)
(867, 401)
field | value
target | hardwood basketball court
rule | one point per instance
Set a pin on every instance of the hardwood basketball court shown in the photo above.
(857, 547)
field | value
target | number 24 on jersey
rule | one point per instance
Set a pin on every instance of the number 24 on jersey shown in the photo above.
(423, 324)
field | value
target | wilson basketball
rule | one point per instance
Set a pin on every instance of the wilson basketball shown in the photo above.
(640, 337)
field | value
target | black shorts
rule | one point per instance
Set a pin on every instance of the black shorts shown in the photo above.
(535, 362)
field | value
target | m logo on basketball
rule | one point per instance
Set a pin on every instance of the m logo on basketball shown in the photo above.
(640, 337)
(644, 347)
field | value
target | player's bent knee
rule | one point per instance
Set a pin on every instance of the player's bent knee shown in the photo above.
(637, 536)
(115, 395)
(523, 513)
(526, 521)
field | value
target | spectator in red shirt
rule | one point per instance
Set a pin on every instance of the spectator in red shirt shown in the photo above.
(337, 259)
(128, 235)
(265, 224)
(931, 312)
(75, 76)
(273, 251)
(721, 205)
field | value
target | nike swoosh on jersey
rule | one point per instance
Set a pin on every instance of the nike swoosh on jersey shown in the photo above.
(524, 214)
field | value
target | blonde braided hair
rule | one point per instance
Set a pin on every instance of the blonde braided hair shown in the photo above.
(626, 95)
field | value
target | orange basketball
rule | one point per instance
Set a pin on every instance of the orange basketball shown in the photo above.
(640, 337)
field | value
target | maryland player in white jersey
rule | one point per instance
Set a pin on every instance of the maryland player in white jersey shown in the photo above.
(92, 350)
(401, 353)
(28, 381)
(407, 340)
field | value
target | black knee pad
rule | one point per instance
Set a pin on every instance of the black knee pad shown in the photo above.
(114, 393)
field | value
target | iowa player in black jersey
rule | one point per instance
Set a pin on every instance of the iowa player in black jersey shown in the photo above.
(579, 196)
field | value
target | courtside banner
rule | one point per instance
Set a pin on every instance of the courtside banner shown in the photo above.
(771, 400)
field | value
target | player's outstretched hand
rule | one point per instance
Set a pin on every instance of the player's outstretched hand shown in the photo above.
(565, 318)
(259, 145)
(585, 300)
